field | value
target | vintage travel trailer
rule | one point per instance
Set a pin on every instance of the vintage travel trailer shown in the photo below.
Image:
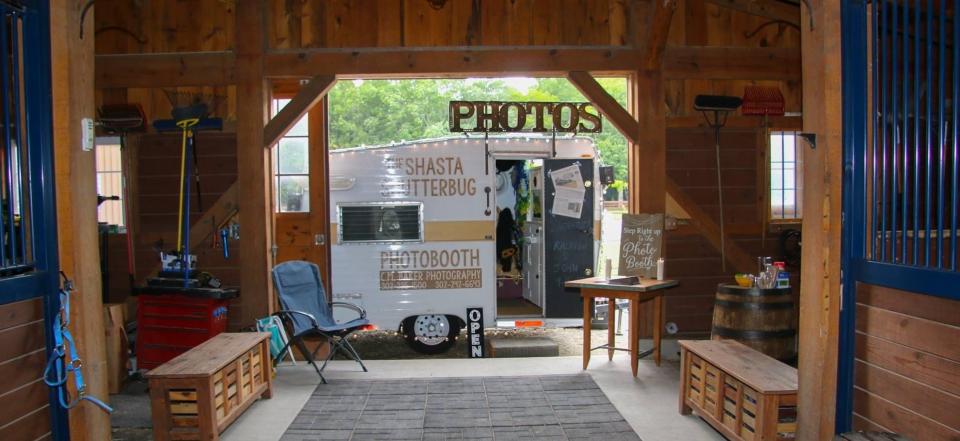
(497, 223)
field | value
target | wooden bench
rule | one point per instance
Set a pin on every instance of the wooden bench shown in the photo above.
(199, 393)
(743, 393)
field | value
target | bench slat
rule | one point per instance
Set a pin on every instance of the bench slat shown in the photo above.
(757, 370)
(210, 356)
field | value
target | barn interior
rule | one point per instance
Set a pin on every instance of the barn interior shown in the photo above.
(820, 133)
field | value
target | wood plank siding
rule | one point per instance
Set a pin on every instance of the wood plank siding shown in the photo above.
(907, 365)
(25, 414)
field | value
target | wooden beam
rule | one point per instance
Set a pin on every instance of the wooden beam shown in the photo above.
(72, 91)
(771, 9)
(709, 229)
(647, 155)
(820, 284)
(219, 68)
(309, 94)
(606, 104)
(659, 31)
(253, 166)
(165, 70)
(450, 62)
(731, 63)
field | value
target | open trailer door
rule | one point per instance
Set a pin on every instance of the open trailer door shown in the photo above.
(568, 233)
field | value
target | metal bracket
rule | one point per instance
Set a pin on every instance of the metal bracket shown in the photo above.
(810, 138)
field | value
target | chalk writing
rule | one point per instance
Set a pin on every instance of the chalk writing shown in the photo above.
(641, 238)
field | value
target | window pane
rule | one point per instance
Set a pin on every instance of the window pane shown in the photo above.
(300, 128)
(776, 179)
(776, 147)
(293, 194)
(380, 223)
(788, 179)
(789, 147)
(293, 156)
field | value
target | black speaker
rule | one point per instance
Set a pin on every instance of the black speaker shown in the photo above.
(606, 174)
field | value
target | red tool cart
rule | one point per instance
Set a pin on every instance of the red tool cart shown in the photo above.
(171, 321)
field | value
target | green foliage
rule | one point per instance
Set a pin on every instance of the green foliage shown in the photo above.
(375, 112)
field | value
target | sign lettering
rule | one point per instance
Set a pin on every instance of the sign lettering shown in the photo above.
(641, 238)
(430, 269)
(475, 332)
(432, 176)
(499, 116)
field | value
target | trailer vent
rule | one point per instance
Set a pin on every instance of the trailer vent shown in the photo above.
(381, 222)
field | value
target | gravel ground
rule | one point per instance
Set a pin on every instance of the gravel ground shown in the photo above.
(389, 345)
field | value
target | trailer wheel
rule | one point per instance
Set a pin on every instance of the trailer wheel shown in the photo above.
(430, 334)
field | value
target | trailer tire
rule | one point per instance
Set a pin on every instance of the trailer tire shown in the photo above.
(431, 333)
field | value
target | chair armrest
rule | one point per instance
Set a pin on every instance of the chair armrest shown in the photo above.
(290, 313)
(355, 307)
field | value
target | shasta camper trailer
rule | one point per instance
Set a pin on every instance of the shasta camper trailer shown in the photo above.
(424, 230)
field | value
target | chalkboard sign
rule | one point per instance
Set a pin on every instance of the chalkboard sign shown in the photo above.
(641, 239)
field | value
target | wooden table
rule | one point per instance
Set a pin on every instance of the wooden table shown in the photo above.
(646, 290)
(199, 393)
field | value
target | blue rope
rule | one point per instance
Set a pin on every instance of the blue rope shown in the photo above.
(57, 370)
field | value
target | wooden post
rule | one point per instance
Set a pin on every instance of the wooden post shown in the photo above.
(73, 99)
(823, 172)
(253, 164)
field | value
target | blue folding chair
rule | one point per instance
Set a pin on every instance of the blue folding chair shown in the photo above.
(306, 309)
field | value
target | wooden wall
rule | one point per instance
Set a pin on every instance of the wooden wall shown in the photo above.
(705, 23)
(413, 23)
(150, 26)
(156, 198)
(691, 259)
(907, 368)
(25, 414)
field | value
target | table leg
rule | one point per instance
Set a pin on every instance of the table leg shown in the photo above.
(657, 327)
(587, 301)
(611, 326)
(634, 334)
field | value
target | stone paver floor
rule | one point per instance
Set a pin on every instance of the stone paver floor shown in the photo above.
(552, 407)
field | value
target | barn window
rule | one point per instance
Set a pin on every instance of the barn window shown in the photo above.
(291, 166)
(110, 181)
(381, 222)
(786, 177)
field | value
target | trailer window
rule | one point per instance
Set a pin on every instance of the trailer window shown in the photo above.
(400, 222)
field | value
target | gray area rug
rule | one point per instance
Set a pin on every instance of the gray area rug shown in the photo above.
(553, 407)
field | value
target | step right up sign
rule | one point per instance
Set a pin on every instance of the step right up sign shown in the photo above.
(641, 240)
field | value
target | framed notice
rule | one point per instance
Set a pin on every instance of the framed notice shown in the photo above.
(641, 240)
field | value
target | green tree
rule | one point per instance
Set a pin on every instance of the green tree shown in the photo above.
(375, 112)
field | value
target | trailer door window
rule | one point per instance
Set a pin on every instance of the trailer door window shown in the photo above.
(400, 222)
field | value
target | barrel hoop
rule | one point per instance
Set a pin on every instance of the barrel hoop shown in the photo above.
(752, 334)
(735, 290)
(754, 305)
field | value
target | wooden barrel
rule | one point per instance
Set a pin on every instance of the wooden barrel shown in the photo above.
(764, 319)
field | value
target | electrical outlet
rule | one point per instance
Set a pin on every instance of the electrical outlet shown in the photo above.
(88, 135)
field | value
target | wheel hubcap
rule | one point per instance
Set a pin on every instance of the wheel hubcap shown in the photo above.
(431, 330)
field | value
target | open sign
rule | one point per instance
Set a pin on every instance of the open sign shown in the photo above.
(475, 332)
